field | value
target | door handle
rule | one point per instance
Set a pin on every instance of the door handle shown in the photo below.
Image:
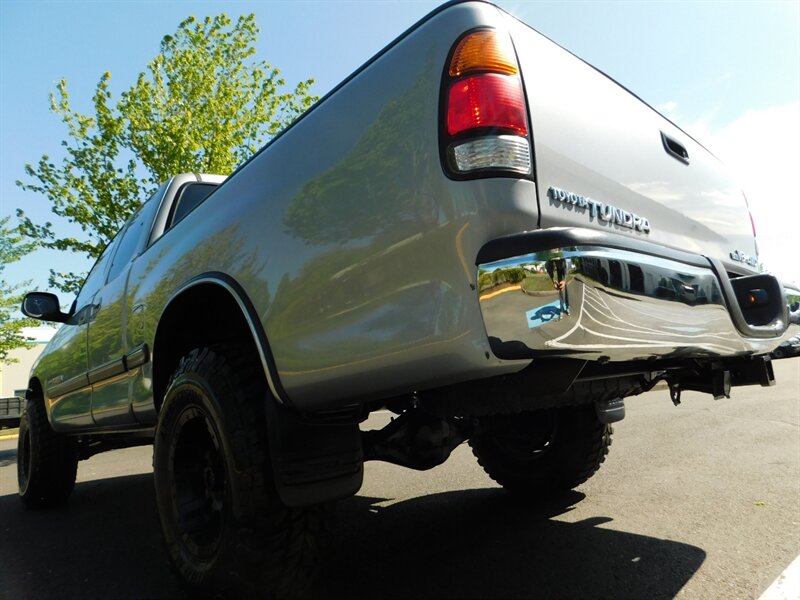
(674, 148)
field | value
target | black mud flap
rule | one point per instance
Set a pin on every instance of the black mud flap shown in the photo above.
(316, 458)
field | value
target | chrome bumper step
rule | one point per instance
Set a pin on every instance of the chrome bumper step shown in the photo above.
(585, 294)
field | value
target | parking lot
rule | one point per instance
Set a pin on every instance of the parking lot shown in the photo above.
(696, 501)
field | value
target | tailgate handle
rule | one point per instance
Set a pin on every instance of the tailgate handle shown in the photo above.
(674, 148)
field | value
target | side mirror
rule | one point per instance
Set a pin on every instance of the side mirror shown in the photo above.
(43, 306)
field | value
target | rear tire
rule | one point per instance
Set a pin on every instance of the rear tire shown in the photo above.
(544, 452)
(225, 528)
(47, 462)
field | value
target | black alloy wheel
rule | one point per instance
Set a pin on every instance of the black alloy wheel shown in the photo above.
(200, 482)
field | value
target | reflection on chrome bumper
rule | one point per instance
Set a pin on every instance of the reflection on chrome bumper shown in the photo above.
(604, 303)
(793, 300)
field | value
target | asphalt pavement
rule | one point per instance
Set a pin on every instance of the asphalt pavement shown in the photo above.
(696, 501)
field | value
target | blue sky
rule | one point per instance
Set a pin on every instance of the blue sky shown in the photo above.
(728, 72)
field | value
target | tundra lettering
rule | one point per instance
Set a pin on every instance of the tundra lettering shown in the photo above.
(606, 212)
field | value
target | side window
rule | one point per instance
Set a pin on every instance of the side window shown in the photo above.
(126, 247)
(189, 197)
(96, 276)
(94, 280)
(138, 227)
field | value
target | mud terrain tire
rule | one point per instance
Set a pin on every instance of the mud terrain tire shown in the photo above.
(225, 529)
(47, 462)
(544, 452)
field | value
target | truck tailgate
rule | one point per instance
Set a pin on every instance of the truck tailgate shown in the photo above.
(602, 152)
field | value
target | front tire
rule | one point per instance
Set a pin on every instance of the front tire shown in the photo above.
(226, 530)
(47, 462)
(543, 453)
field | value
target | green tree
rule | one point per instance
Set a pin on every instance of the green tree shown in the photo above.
(203, 105)
(12, 248)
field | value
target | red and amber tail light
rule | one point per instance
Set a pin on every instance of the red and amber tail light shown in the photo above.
(485, 122)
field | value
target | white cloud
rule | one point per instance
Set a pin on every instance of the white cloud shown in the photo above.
(762, 149)
(667, 107)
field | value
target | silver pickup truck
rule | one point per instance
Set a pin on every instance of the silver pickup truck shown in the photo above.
(476, 230)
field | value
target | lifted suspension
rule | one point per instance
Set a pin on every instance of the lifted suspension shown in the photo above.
(416, 439)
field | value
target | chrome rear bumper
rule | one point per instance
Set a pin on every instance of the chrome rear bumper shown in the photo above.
(580, 293)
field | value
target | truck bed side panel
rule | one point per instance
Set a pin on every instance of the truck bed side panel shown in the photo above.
(354, 247)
